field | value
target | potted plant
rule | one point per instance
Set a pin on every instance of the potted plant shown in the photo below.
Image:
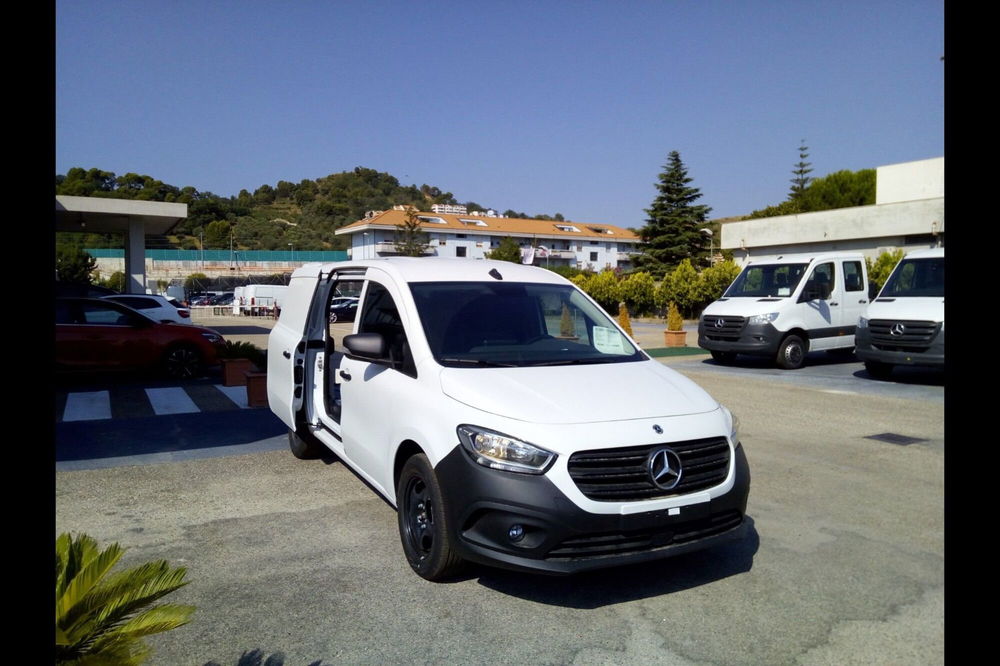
(567, 329)
(674, 335)
(256, 380)
(237, 359)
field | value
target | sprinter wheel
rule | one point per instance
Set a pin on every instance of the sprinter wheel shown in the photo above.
(423, 527)
(791, 353)
(724, 357)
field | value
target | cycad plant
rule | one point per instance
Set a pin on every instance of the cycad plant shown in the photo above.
(102, 618)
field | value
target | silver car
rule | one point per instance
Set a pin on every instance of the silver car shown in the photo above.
(158, 308)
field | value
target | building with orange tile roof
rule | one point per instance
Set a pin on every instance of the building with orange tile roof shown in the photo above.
(543, 242)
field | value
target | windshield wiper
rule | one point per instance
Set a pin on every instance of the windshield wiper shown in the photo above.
(479, 361)
(581, 361)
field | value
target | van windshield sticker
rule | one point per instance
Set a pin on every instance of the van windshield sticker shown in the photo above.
(608, 341)
(784, 291)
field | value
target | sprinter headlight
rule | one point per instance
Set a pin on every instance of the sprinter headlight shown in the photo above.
(763, 318)
(498, 451)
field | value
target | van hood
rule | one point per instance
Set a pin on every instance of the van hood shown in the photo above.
(577, 393)
(745, 307)
(919, 308)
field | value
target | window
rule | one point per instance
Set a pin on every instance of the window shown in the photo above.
(460, 251)
(567, 227)
(852, 276)
(432, 220)
(379, 315)
(478, 223)
(593, 256)
(822, 281)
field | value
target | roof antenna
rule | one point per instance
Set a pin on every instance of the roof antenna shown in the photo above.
(494, 273)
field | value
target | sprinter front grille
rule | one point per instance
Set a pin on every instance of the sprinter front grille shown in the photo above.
(719, 327)
(591, 546)
(623, 475)
(902, 335)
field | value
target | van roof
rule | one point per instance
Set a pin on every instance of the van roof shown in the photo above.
(440, 269)
(923, 254)
(805, 257)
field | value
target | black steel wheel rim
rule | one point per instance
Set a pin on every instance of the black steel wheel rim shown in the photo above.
(182, 362)
(419, 517)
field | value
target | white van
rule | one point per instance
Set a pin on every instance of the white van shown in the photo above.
(238, 301)
(262, 298)
(508, 419)
(904, 325)
(784, 308)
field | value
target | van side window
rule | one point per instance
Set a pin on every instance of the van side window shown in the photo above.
(380, 315)
(852, 276)
(822, 280)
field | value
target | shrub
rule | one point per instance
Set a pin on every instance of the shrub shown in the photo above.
(879, 271)
(605, 289)
(638, 290)
(674, 320)
(679, 287)
(102, 618)
(712, 282)
(623, 319)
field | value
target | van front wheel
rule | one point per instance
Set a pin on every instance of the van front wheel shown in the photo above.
(791, 353)
(423, 527)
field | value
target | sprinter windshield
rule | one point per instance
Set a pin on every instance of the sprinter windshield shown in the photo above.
(916, 277)
(505, 324)
(767, 280)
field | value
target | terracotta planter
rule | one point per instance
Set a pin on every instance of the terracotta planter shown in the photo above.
(675, 338)
(256, 388)
(234, 371)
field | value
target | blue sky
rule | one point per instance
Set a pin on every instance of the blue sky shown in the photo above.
(542, 107)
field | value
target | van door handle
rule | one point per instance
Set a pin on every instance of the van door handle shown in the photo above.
(345, 375)
(834, 303)
(286, 354)
(863, 301)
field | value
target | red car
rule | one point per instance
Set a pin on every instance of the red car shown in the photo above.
(97, 334)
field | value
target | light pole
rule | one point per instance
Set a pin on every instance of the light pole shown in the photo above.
(364, 244)
(711, 252)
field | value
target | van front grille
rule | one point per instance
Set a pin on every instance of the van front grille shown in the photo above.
(622, 474)
(902, 335)
(718, 327)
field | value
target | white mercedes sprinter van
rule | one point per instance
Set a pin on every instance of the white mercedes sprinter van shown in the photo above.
(904, 325)
(784, 308)
(508, 418)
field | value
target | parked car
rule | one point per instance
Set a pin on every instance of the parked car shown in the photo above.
(343, 309)
(159, 308)
(83, 290)
(508, 419)
(784, 308)
(904, 325)
(101, 334)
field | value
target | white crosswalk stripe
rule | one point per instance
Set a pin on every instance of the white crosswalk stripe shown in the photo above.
(87, 406)
(172, 400)
(96, 405)
(237, 394)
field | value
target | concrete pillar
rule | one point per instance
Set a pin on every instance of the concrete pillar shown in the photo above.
(135, 257)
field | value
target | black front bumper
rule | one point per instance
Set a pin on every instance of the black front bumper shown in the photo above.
(930, 355)
(757, 339)
(558, 537)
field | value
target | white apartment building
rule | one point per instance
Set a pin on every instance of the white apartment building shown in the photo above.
(542, 242)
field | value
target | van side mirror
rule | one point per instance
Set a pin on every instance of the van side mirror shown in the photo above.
(366, 346)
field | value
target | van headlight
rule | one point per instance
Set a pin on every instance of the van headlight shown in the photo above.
(734, 425)
(498, 451)
(763, 318)
(862, 322)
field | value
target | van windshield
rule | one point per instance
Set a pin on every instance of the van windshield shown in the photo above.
(509, 324)
(916, 277)
(766, 280)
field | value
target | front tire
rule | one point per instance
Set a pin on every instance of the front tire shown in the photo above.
(878, 370)
(423, 526)
(183, 362)
(791, 353)
(723, 357)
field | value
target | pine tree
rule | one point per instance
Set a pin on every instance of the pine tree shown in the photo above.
(801, 172)
(673, 228)
(411, 241)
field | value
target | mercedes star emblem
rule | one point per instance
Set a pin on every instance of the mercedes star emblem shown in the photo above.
(658, 430)
(897, 329)
(664, 469)
(719, 323)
